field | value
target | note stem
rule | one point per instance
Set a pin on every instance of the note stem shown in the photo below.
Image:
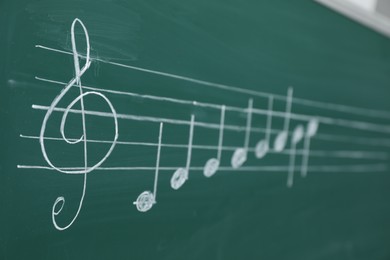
(222, 123)
(189, 152)
(157, 162)
(291, 169)
(305, 159)
(248, 124)
(269, 119)
(288, 109)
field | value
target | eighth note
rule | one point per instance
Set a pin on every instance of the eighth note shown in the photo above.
(297, 136)
(181, 175)
(281, 138)
(147, 199)
(240, 154)
(262, 146)
(312, 128)
(212, 164)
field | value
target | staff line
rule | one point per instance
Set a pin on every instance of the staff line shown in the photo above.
(152, 119)
(362, 125)
(314, 168)
(301, 101)
(238, 128)
(354, 139)
(317, 153)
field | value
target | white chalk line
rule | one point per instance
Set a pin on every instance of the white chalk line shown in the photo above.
(220, 136)
(338, 154)
(323, 105)
(248, 124)
(190, 143)
(371, 141)
(261, 169)
(157, 163)
(303, 117)
(148, 118)
(152, 119)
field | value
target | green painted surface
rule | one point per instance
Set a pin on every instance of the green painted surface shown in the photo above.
(263, 46)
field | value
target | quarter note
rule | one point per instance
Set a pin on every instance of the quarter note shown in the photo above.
(297, 136)
(312, 128)
(262, 147)
(240, 154)
(281, 138)
(147, 199)
(212, 164)
(180, 176)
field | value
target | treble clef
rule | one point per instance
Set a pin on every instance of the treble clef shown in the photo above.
(76, 81)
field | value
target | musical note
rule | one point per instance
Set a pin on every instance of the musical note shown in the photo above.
(60, 201)
(240, 154)
(262, 147)
(281, 138)
(147, 199)
(212, 164)
(180, 176)
(312, 128)
(297, 136)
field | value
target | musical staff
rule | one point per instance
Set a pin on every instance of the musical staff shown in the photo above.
(239, 155)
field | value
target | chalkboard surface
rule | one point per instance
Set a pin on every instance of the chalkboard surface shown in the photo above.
(192, 130)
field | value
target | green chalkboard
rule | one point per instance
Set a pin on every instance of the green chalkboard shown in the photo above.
(145, 129)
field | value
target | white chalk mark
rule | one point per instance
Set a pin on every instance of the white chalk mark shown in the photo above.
(180, 176)
(149, 119)
(60, 201)
(374, 155)
(281, 138)
(158, 160)
(358, 168)
(361, 125)
(220, 137)
(312, 128)
(212, 164)
(322, 105)
(147, 199)
(262, 147)
(240, 155)
(296, 138)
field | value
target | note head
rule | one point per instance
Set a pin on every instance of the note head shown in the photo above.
(145, 201)
(261, 149)
(179, 178)
(298, 134)
(280, 141)
(239, 158)
(312, 127)
(211, 167)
